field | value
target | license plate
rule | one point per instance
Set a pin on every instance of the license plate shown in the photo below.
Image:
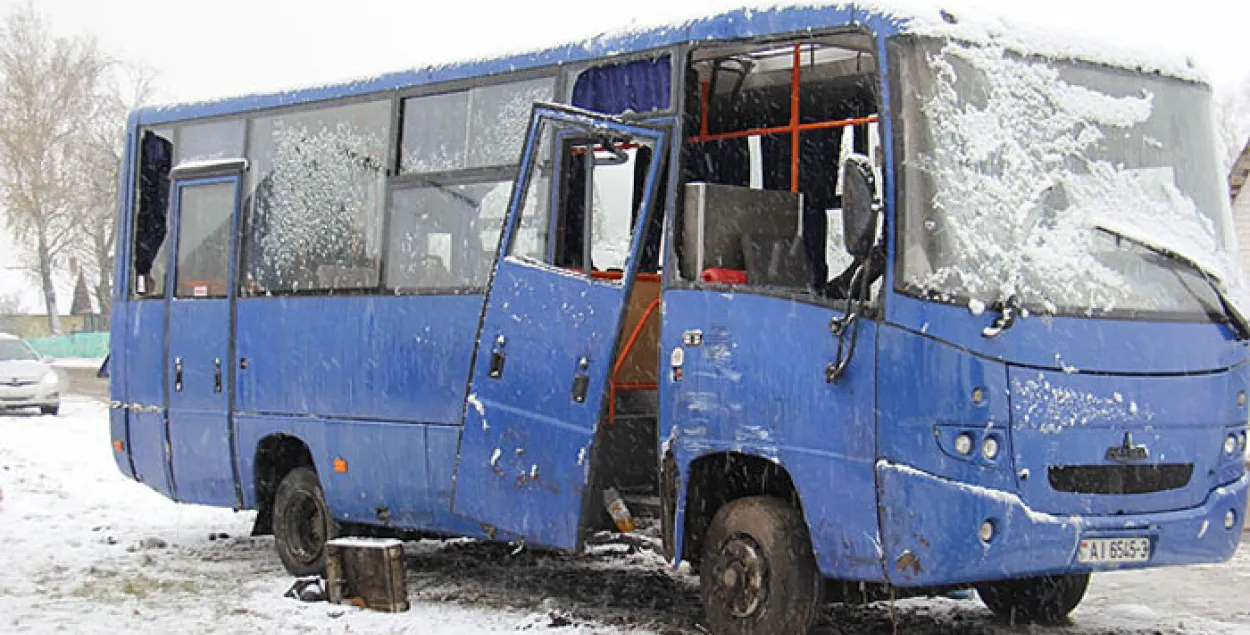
(1113, 550)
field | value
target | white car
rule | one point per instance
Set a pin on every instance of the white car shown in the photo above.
(26, 380)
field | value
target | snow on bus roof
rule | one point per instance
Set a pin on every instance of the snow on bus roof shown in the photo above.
(955, 19)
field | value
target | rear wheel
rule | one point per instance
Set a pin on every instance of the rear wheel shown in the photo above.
(302, 523)
(1044, 600)
(758, 573)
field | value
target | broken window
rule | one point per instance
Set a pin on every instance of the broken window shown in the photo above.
(318, 179)
(149, 252)
(773, 124)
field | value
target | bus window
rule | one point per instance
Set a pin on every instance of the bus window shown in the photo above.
(212, 140)
(616, 169)
(204, 217)
(444, 236)
(318, 178)
(617, 189)
(476, 128)
(155, 162)
(759, 130)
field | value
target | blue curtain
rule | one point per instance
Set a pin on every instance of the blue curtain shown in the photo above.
(640, 86)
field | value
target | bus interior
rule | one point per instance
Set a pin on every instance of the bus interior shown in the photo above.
(767, 127)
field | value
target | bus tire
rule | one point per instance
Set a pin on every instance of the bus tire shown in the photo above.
(302, 523)
(1046, 600)
(758, 572)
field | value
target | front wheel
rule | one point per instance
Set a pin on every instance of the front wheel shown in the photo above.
(1045, 600)
(50, 410)
(302, 523)
(758, 573)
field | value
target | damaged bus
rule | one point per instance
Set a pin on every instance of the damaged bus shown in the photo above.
(859, 303)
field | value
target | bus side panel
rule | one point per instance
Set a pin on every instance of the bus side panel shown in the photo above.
(144, 378)
(396, 473)
(119, 429)
(119, 416)
(760, 389)
(383, 358)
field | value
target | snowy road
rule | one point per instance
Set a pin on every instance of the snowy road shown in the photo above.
(88, 551)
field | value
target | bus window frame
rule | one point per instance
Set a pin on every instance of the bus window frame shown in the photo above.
(672, 279)
(247, 203)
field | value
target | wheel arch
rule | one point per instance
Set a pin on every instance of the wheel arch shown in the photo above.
(276, 455)
(714, 479)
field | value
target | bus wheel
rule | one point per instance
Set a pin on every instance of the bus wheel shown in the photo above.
(1044, 600)
(758, 572)
(302, 523)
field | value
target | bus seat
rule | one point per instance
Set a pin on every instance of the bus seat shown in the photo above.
(724, 276)
(776, 261)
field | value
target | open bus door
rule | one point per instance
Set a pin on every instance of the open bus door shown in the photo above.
(550, 324)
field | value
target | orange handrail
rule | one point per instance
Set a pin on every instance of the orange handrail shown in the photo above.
(641, 276)
(755, 132)
(620, 362)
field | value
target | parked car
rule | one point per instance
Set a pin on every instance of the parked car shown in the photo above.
(26, 379)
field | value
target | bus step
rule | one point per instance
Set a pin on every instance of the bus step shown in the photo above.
(645, 505)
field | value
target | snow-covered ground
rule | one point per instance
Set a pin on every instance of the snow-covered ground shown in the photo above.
(87, 551)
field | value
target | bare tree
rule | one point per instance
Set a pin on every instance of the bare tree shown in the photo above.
(48, 90)
(103, 139)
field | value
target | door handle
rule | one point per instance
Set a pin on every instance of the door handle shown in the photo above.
(217, 375)
(177, 374)
(497, 359)
(581, 380)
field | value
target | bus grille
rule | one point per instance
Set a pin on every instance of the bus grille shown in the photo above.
(1120, 479)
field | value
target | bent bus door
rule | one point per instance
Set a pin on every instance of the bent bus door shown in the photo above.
(205, 229)
(549, 328)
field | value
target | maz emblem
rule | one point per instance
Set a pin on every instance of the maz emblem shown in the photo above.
(1126, 452)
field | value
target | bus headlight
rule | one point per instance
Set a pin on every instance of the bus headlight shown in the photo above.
(1230, 444)
(989, 448)
(1230, 519)
(49, 380)
(963, 444)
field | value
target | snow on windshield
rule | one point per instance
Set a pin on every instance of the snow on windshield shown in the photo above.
(1024, 165)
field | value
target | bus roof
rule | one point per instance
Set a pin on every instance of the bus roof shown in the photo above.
(883, 17)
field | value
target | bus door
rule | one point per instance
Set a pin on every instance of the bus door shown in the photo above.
(550, 324)
(205, 201)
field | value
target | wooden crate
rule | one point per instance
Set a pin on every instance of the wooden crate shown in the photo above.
(367, 572)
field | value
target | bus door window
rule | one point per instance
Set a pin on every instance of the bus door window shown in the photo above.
(151, 219)
(607, 177)
(204, 240)
(773, 119)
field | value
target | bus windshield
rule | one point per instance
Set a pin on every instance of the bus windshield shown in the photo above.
(1022, 176)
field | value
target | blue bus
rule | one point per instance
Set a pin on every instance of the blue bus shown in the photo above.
(858, 303)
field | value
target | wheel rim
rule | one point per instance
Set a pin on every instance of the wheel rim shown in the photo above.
(305, 529)
(742, 576)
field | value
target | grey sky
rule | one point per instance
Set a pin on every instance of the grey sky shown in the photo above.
(229, 47)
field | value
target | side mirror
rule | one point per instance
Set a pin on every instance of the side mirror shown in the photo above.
(859, 206)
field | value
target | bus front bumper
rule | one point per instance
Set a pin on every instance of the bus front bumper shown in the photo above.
(933, 530)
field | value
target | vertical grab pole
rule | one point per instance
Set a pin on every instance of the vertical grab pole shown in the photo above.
(704, 97)
(794, 118)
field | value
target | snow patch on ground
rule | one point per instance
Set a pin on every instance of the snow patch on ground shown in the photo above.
(89, 551)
